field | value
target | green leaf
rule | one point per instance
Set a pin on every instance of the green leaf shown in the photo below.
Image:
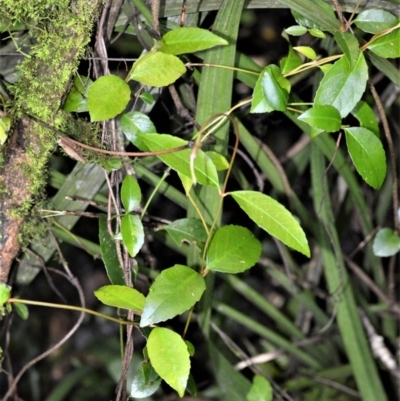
(205, 171)
(157, 69)
(274, 218)
(350, 46)
(132, 233)
(190, 347)
(343, 85)
(145, 382)
(147, 98)
(135, 123)
(109, 254)
(386, 243)
(21, 309)
(374, 20)
(76, 100)
(261, 390)
(188, 230)
(170, 358)
(313, 14)
(233, 249)
(174, 291)
(5, 125)
(296, 30)
(189, 40)
(306, 51)
(387, 46)
(367, 154)
(325, 118)
(218, 160)
(366, 116)
(317, 33)
(292, 61)
(131, 195)
(5, 293)
(107, 97)
(121, 296)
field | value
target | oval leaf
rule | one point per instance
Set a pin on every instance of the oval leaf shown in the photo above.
(131, 195)
(174, 291)
(107, 97)
(292, 61)
(366, 117)
(121, 296)
(261, 390)
(306, 51)
(157, 69)
(145, 382)
(296, 30)
(77, 97)
(324, 117)
(136, 123)
(274, 218)
(275, 88)
(5, 293)
(21, 309)
(109, 254)
(343, 85)
(169, 356)
(387, 46)
(386, 243)
(189, 40)
(132, 234)
(374, 20)
(233, 249)
(349, 44)
(204, 168)
(367, 154)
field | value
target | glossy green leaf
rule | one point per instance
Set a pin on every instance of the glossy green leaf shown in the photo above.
(190, 347)
(317, 33)
(313, 14)
(306, 51)
(157, 69)
(386, 243)
(109, 254)
(134, 123)
(205, 171)
(107, 97)
(324, 117)
(375, 20)
(218, 160)
(296, 30)
(233, 249)
(261, 390)
(291, 61)
(22, 310)
(187, 230)
(147, 98)
(366, 116)
(350, 46)
(76, 100)
(169, 356)
(367, 154)
(189, 40)
(5, 293)
(145, 382)
(174, 291)
(343, 85)
(387, 46)
(111, 164)
(274, 218)
(132, 233)
(5, 125)
(121, 296)
(131, 194)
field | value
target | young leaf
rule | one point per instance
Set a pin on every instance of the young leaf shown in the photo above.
(5, 125)
(157, 69)
(296, 30)
(22, 310)
(218, 160)
(134, 123)
(317, 33)
(174, 291)
(366, 116)
(205, 171)
(386, 243)
(109, 254)
(121, 296)
(374, 20)
(367, 154)
(350, 46)
(306, 51)
(274, 218)
(292, 61)
(5, 293)
(131, 195)
(325, 118)
(187, 230)
(147, 97)
(132, 234)
(145, 382)
(343, 85)
(169, 357)
(233, 249)
(261, 390)
(76, 100)
(107, 97)
(189, 40)
(387, 46)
